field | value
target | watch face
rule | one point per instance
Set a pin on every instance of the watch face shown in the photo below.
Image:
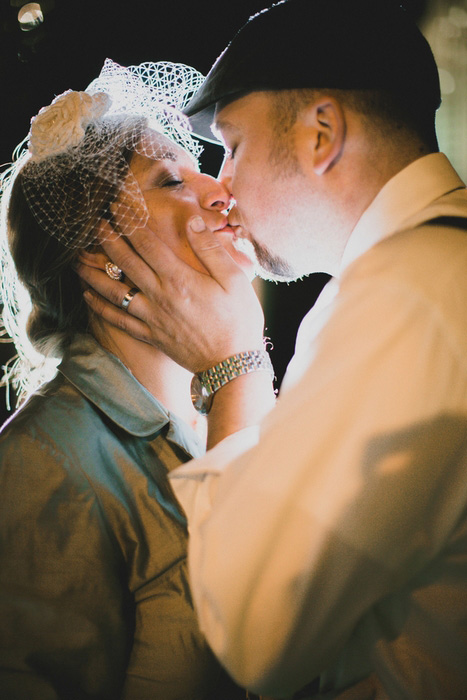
(201, 399)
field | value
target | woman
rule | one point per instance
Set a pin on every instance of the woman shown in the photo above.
(94, 592)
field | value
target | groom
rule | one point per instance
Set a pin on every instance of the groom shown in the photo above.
(333, 541)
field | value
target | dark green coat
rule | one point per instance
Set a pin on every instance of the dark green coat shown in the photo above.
(94, 597)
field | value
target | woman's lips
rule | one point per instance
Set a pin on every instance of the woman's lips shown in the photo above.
(225, 229)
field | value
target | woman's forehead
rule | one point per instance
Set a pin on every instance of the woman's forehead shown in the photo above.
(154, 149)
(157, 146)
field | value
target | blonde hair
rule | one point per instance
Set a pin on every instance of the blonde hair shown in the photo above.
(43, 305)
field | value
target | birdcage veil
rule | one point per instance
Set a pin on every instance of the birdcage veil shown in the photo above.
(74, 163)
(76, 147)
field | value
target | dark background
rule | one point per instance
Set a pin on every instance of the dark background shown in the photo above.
(68, 51)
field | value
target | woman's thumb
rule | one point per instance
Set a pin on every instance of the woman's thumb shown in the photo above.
(197, 224)
(209, 250)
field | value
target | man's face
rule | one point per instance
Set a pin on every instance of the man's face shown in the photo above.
(277, 206)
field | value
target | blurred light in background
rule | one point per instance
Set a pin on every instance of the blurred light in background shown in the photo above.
(445, 27)
(24, 31)
(30, 16)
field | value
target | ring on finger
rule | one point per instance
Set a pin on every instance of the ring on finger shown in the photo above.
(129, 297)
(113, 271)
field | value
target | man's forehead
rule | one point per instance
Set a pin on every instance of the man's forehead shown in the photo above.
(235, 115)
(220, 119)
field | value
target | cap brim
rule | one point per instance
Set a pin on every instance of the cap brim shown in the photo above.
(201, 124)
(367, 45)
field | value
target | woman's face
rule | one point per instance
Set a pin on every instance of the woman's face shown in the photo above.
(174, 190)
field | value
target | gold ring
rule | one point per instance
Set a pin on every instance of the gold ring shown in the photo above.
(129, 297)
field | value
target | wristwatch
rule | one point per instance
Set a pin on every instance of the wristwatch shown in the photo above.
(205, 384)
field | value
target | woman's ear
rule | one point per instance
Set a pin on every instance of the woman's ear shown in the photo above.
(326, 127)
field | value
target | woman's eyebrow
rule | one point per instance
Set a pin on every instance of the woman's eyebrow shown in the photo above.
(167, 155)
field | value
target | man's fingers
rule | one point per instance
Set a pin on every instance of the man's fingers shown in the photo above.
(117, 317)
(209, 250)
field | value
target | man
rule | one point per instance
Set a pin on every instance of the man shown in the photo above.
(335, 545)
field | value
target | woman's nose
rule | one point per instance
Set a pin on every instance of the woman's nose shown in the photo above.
(216, 195)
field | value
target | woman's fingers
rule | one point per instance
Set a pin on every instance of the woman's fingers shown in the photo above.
(196, 318)
(97, 260)
(112, 290)
(144, 258)
(117, 317)
(209, 250)
(144, 253)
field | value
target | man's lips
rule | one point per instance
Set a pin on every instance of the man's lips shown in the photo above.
(234, 230)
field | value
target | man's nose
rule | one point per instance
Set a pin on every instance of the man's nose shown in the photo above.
(225, 172)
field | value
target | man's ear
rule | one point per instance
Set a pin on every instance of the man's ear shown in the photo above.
(326, 126)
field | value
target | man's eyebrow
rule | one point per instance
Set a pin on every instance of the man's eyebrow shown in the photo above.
(222, 125)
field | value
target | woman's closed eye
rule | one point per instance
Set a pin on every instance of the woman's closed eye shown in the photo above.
(171, 181)
(164, 177)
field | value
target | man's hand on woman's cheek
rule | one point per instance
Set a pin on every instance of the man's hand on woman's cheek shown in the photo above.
(197, 319)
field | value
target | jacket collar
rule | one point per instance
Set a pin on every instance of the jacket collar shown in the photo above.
(107, 383)
(403, 200)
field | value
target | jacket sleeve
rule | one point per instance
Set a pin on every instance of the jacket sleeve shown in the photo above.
(355, 486)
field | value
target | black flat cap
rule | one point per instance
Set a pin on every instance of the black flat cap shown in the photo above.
(347, 44)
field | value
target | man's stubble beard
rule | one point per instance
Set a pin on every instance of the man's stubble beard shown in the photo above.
(268, 267)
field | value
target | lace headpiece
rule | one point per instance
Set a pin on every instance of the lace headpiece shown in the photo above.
(75, 163)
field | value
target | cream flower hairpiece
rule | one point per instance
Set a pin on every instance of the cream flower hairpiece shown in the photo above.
(62, 124)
